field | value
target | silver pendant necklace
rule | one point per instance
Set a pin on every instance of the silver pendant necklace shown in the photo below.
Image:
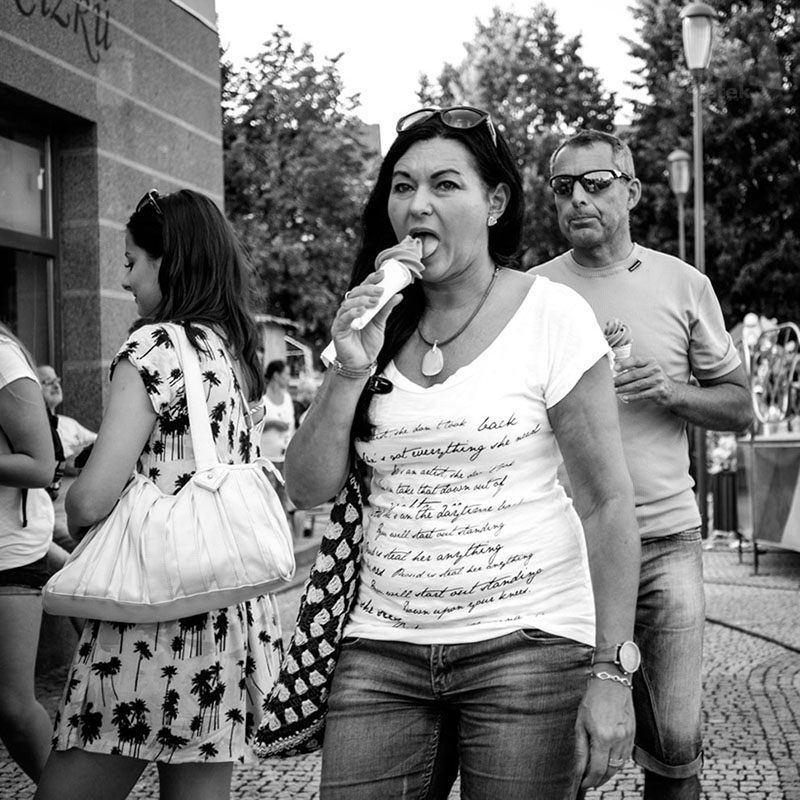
(433, 360)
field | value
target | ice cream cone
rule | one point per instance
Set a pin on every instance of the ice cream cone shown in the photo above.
(401, 265)
(623, 351)
(396, 276)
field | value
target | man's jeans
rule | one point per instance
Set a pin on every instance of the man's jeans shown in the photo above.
(667, 690)
(403, 718)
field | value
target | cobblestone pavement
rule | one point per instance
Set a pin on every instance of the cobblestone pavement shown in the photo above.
(752, 696)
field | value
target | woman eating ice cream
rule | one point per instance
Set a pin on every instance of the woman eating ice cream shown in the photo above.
(483, 590)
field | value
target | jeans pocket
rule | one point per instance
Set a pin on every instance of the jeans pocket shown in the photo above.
(691, 536)
(541, 637)
(560, 647)
(351, 641)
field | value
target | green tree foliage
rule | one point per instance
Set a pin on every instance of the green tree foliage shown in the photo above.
(538, 89)
(297, 169)
(752, 148)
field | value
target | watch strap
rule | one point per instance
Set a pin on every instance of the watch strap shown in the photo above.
(606, 655)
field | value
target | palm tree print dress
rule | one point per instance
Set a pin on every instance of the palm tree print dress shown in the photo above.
(189, 690)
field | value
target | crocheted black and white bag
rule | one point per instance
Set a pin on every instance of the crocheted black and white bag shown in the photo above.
(295, 709)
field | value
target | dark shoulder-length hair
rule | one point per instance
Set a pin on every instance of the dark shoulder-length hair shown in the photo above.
(495, 164)
(204, 275)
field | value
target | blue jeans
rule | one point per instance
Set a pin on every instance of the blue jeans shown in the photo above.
(667, 690)
(403, 718)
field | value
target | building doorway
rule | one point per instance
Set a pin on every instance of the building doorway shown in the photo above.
(27, 246)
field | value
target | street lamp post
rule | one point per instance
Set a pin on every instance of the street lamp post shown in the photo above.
(698, 29)
(680, 178)
(698, 36)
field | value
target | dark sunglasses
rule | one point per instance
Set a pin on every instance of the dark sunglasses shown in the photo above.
(150, 199)
(593, 182)
(459, 117)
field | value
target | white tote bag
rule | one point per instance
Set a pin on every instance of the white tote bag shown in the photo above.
(222, 539)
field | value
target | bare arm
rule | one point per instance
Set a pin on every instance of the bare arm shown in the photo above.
(721, 404)
(587, 429)
(125, 429)
(318, 456)
(23, 419)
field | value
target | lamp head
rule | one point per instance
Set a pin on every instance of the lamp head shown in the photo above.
(698, 35)
(679, 171)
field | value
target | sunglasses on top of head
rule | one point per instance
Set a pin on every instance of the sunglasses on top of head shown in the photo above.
(593, 182)
(458, 117)
(150, 199)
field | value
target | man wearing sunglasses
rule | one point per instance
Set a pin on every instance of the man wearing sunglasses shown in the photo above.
(683, 369)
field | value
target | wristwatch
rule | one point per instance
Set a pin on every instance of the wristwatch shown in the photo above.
(626, 656)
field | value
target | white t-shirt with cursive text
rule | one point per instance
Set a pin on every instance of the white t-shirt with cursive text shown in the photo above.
(468, 533)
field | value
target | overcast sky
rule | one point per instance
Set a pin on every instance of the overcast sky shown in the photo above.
(386, 45)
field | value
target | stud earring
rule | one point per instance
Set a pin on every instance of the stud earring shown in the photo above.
(491, 221)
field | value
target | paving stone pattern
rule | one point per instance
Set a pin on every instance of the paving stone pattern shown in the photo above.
(752, 696)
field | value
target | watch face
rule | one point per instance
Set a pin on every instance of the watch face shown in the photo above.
(628, 657)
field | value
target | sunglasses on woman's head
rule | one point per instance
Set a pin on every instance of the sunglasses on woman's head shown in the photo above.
(593, 182)
(458, 117)
(150, 199)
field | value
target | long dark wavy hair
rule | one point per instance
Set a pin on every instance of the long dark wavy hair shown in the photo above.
(204, 275)
(494, 164)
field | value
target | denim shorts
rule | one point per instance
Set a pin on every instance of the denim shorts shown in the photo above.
(27, 579)
(404, 718)
(667, 690)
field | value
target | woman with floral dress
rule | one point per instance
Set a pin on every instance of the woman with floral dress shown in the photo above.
(186, 694)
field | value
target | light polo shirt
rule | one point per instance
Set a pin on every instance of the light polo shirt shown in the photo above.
(675, 317)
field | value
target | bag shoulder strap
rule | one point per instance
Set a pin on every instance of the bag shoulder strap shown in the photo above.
(205, 451)
(252, 415)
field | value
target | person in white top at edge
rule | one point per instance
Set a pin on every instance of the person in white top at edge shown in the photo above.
(483, 590)
(678, 333)
(27, 465)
